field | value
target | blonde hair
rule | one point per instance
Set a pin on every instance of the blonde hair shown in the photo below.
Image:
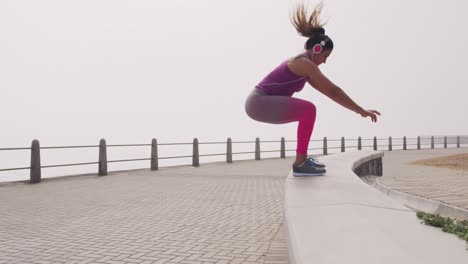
(308, 26)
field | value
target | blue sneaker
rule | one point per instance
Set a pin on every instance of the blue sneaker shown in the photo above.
(307, 168)
(316, 162)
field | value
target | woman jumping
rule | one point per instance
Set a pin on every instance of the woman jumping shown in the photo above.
(271, 101)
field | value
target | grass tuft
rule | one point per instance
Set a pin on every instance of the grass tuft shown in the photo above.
(452, 226)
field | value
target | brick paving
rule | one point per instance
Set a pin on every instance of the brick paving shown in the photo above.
(221, 213)
(438, 184)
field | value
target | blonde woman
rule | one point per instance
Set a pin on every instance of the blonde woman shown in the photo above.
(271, 101)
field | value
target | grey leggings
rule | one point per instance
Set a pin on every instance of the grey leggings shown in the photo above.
(283, 109)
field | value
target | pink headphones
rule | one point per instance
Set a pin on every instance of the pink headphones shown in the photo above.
(318, 48)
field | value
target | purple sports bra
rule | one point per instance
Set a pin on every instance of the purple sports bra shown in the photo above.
(282, 81)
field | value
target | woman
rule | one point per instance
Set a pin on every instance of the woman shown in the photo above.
(271, 101)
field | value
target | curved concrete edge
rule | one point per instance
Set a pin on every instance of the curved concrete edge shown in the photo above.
(423, 204)
(338, 218)
(369, 157)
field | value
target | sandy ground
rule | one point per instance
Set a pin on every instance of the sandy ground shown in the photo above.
(455, 162)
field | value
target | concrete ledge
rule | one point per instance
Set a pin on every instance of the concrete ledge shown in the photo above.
(337, 218)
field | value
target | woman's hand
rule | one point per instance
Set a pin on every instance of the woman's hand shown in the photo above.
(370, 113)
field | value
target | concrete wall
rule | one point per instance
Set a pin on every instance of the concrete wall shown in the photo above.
(338, 218)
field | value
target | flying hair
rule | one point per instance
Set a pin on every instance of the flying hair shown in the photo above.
(308, 26)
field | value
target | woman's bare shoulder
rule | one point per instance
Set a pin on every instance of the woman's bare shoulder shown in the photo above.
(298, 56)
(300, 64)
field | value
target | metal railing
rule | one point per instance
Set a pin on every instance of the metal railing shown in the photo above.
(36, 167)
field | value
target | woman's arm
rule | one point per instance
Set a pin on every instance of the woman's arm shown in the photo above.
(316, 79)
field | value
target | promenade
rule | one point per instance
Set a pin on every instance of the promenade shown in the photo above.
(442, 185)
(216, 213)
(220, 213)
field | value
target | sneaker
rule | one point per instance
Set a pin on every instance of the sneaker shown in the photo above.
(316, 162)
(307, 168)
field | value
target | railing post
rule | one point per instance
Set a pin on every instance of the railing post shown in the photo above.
(458, 141)
(196, 155)
(257, 149)
(102, 171)
(343, 148)
(154, 155)
(390, 147)
(419, 142)
(375, 143)
(359, 143)
(404, 143)
(445, 142)
(432, 142)
(35, 170)
(229, 151)
(283, 148)
(325, 146)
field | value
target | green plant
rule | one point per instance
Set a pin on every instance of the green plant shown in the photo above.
(453, 226)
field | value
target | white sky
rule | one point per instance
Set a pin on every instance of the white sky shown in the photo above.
(72, 72)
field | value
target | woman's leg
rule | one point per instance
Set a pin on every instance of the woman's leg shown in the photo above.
(306, 125)
(284, 109)
(305, 112)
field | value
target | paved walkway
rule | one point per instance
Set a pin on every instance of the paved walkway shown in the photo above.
(222, 213)
(438, 184)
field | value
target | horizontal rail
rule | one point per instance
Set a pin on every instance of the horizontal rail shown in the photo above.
(14, 169)
(174, 144)
(69, 165)
(270, 151)
(70, 147)
(175, 157)
(248, 152)
(211, 143)
(130, 145)
(210, 155)
(8, 149)
(126, 160)
(314, 148)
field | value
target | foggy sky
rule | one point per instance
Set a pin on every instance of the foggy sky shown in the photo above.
(72, 72)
